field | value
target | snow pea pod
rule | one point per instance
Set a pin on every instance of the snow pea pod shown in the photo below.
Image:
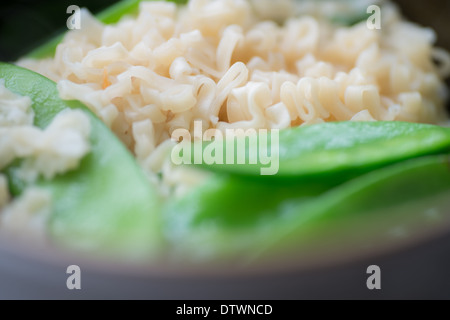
(341, 149)
(233, 202)
(110, 15)
(106, 205)
(398, 201)
(362, 209)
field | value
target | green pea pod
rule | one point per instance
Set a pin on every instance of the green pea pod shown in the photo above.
(399, 202)
(106, 205)
(232, 202)
(232, 216)
(222, 217)
(110, 15)
(346, 12)
(338, 150)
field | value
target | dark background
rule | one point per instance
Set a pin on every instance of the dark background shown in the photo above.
(25, 24)
(416, 273)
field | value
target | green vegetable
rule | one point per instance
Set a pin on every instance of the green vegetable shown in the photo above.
(224, 216)
(342, 150)
(374, 204)
(213, 226)
(110, 15)
(253, 201)
(107, 204)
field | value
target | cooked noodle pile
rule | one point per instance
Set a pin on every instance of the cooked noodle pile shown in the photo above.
(225, 63)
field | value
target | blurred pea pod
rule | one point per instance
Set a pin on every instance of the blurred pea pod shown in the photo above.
(107, 204)
(399, 200)
(264, 219)
(110, 15)
(341, 12)
(239, 210)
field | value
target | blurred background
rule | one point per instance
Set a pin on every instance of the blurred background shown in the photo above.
(24, 24)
